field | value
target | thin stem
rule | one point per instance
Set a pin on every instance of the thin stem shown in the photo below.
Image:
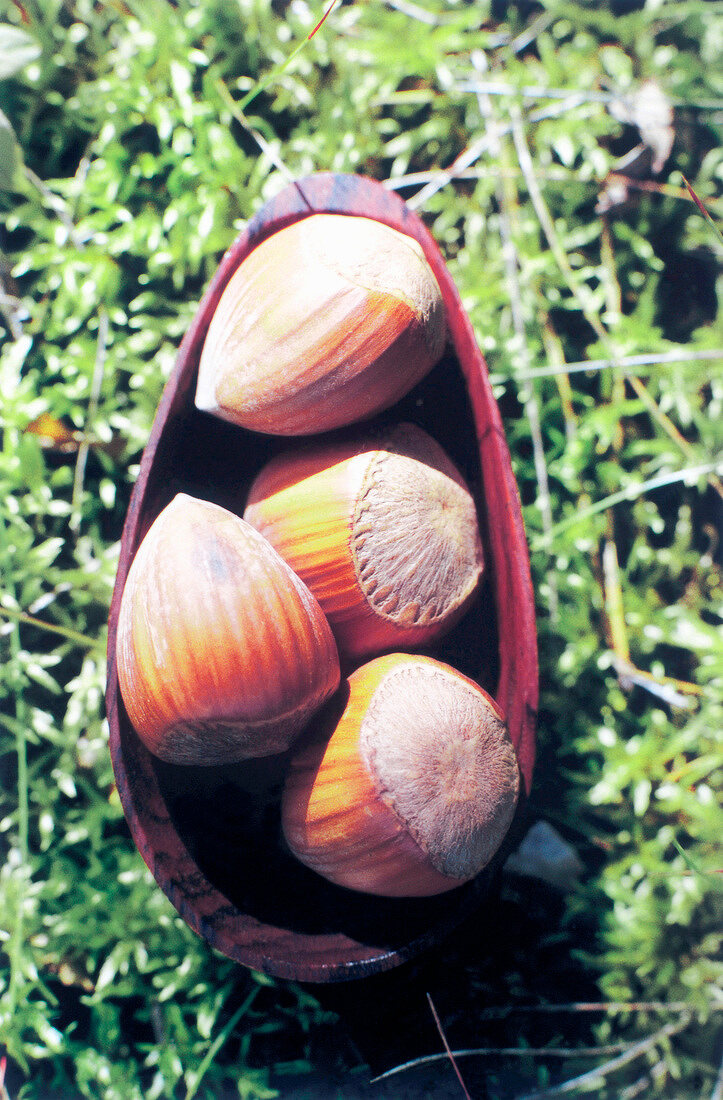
(632, 492)
(60, 208)
(703, 211)
(95, 388)
(554, 352)
(218, 1043)
(53, 628)
(549, 175)
(696, 868)
(580, 291)
(608, 1007)
(613, 601)
(654, 1075)
(507, 1052)
(614, 309)
(673, 692)
(57, 205)
(474, 151)
(507, 200)
(528, 91)
(538, 91)
(624, 362)
(510, 1052)
(600, 1072)
(449, 1054)
(527, 37)
(15, 947)
(260, 140)
(262, 85)
(414, 12)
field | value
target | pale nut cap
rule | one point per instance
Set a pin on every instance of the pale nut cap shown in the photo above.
(414, 788)
(383, 530)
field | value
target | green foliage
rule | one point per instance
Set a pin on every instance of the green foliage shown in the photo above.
(126, 169)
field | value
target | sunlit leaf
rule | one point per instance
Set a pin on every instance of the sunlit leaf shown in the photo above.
(17, 49)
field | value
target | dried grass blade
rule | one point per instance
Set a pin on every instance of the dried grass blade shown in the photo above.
(580, 292)
(443, 1037)
(631, 492)
(703, 210)
(263, 84)
(506, 200)
(600, 1072)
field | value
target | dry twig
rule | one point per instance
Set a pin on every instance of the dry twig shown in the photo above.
(573, 1084)
(607, 1007)
(508, 1052)
(450, 1055)
(625, 363)
(263, 144)
(474, 151)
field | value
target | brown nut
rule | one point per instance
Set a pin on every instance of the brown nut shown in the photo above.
(222, 652)
(326, 322)
(412, 788)
(383, 531)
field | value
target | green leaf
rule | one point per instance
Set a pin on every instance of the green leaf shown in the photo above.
(9, 154)
(17, 49)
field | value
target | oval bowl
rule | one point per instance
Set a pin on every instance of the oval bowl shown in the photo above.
(211, 836)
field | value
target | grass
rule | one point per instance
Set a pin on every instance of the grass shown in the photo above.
(135, 140)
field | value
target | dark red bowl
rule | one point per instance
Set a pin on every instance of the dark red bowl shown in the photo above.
(211, 836)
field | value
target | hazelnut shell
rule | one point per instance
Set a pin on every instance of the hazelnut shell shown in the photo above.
(326, 322)
(408, 787)
(383, 530)
(222, 652)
